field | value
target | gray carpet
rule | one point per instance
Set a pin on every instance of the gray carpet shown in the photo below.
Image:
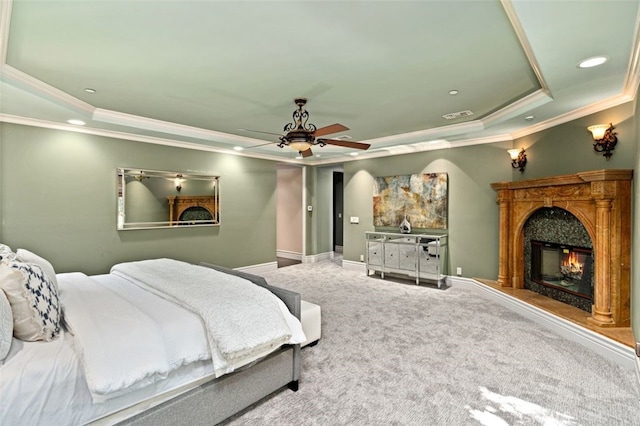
(394, 353)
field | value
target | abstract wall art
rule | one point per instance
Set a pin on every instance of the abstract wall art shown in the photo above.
(421, 197)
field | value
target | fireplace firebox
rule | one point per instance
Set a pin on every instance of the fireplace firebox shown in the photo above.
(562, 267)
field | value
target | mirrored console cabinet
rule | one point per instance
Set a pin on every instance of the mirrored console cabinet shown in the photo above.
(418, 256)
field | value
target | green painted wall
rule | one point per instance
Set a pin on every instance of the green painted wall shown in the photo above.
(323, 209)
(318, 188)
(568, 148)
(59, 200)
(58, 196)
(473, 212)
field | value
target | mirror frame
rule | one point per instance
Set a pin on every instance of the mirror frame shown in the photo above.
(176, 202)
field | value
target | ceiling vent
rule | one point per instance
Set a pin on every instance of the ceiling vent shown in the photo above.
(454, 115)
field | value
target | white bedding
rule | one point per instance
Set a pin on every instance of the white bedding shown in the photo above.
(126, 337)
(243, 320)
(43, 383)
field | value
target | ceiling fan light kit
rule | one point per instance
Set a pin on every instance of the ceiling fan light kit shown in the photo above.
(301, 135)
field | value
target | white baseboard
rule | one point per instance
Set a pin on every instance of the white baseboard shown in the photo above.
(289, 254)
(608, 348)
(352, 265)
(259, 269)
(318, 257)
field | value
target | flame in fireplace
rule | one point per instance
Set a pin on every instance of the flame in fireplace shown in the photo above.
(571, 263)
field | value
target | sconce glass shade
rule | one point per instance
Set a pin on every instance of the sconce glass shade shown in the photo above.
(513, 153)
(605, 139)
(518, 158)
(598, 131)
(178, 182)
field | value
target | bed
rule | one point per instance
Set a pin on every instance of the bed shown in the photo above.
(135, 347)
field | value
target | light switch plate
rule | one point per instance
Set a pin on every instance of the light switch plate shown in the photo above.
(354, 219)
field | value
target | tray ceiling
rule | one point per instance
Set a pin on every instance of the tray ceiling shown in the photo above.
(202, 73)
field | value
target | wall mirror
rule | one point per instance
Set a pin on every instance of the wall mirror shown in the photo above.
(162, 199)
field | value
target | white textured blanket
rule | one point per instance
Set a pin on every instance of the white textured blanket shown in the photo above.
(243, 320)
(126, 337)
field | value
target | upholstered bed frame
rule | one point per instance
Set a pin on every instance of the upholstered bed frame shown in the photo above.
(217, 400)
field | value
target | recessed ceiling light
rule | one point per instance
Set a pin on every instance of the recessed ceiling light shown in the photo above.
(453, 92)
(299, 157)
(592, 62)
(529, 117)
(354, 154)
(90, 90)
(238, 148)
(76, 122)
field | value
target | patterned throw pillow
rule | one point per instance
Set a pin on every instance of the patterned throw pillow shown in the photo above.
(34, 301)
(6, 326)
(28, 257)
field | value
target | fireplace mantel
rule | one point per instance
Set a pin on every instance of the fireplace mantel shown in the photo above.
(601, 200)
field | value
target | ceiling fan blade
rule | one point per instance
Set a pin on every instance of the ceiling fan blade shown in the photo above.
(327, 130)
(306, 153)
(260, 131)
(262, 144)
(346, 144)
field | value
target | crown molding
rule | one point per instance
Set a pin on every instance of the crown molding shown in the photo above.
(6, 118)
(632, 81)
(5, 23)
(44, 90)
(507, 5)
(429, 134)
(610, 102)
(521, 106)
(145, 123)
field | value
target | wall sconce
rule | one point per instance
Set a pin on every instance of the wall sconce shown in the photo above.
(605, 139)
(178, 182)
(518, 158)
(141, 177)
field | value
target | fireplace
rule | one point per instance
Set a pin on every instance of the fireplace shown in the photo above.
(193, 209)
(601, 202)
(562, 272)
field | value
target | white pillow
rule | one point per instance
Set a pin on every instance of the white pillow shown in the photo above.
(29, 257)
(6, 253)
(6, 326)
(34, 301)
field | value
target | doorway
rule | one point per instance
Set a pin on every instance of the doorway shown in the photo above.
(338, 208)
(289, 216)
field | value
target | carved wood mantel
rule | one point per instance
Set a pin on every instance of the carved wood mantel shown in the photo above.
(601, 200)
(179, 203)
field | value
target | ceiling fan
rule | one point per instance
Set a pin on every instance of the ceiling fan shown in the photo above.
(301, 135)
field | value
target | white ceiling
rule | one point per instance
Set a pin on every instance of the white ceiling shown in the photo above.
(196, 73)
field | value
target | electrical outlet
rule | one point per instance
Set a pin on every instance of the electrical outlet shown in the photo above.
(459, 270)
(362, 258)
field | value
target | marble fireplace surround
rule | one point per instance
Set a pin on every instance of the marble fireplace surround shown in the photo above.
(601, 200)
